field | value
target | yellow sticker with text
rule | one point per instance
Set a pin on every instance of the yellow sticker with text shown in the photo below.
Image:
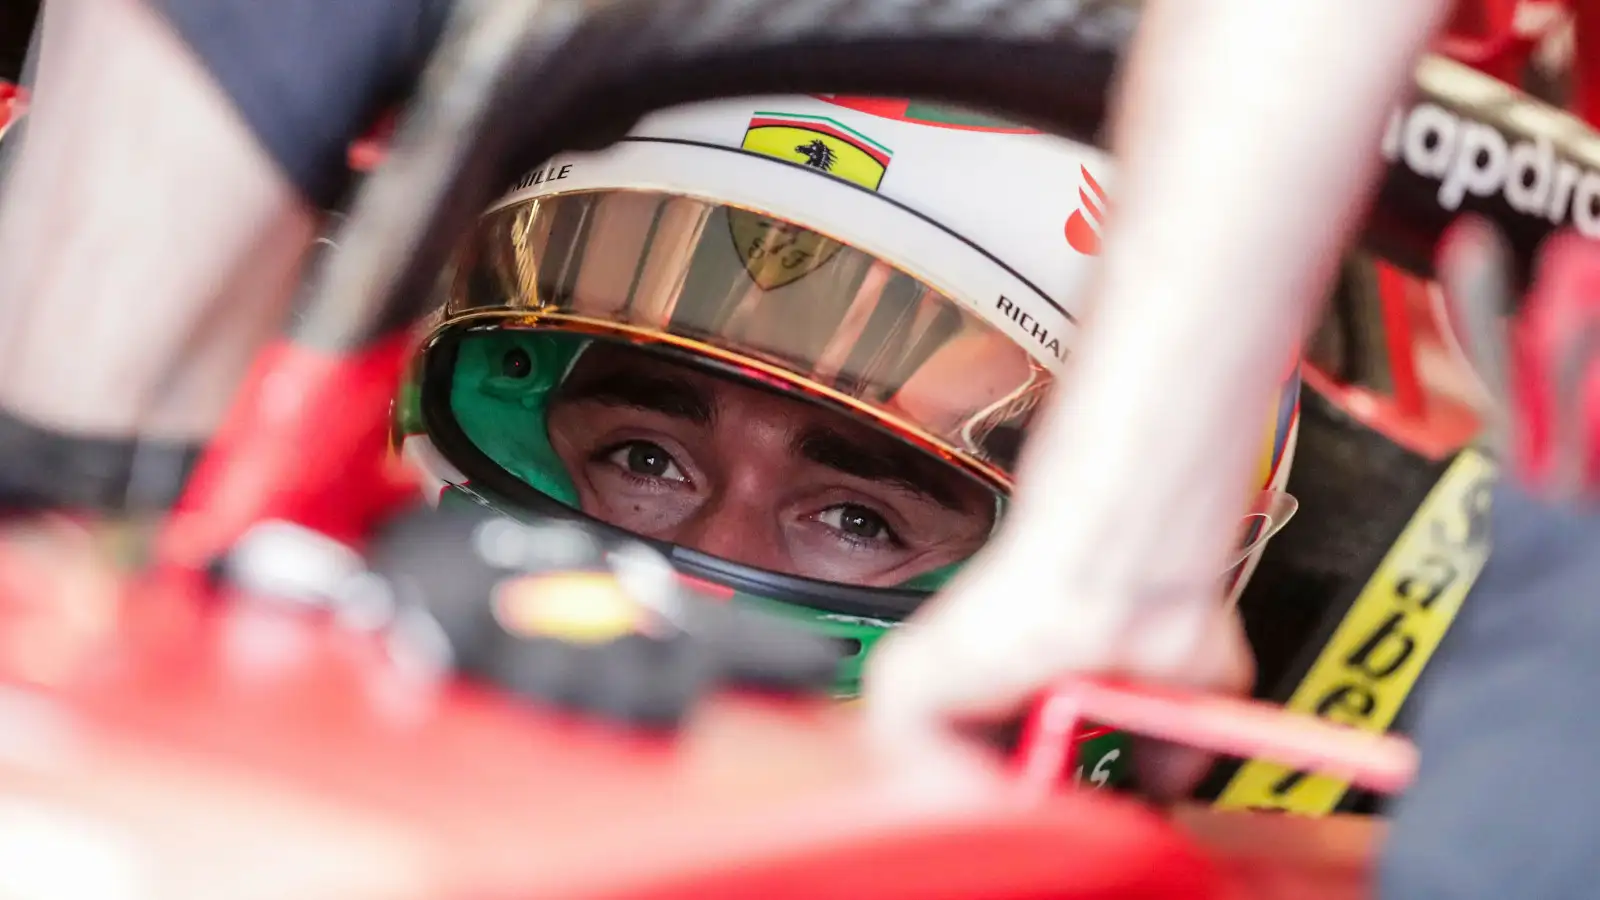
(1366, 671)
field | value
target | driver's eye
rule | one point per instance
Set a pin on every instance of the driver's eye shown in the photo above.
(856, 521)
(646, 459)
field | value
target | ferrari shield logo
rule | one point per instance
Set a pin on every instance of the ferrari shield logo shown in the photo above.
(777, 253)
(818, 142)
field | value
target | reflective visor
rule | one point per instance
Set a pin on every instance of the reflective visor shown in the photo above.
(774, 299)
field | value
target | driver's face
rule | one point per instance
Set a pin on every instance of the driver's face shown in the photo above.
(675, 454)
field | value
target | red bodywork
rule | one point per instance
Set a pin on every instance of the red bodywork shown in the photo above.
(13, 102)
(217, 746)
(1430, 408)
(304, 397)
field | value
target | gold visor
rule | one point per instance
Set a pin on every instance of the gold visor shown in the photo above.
(778, 299)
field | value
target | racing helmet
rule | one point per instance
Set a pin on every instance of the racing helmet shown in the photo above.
(911, 271)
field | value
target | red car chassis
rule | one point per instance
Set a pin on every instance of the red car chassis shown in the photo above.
(155, 743)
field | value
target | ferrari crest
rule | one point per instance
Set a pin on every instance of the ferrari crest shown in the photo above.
(777, 253)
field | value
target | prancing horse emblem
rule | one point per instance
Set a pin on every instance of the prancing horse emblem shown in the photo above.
(818, 155)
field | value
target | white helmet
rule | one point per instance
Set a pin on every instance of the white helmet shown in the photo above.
(917, 269)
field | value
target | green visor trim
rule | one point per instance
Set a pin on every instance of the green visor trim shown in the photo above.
(500, 396)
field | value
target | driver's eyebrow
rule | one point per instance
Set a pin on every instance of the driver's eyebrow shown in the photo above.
(662, 394)
(874, 462)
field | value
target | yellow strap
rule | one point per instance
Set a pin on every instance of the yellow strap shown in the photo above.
(1368, 668)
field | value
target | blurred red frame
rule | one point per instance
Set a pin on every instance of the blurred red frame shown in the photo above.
(1427, 407)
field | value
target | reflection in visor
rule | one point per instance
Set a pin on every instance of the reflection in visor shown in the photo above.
(837, 321)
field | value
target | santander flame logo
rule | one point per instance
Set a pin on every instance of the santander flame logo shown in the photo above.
(1083, 226)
